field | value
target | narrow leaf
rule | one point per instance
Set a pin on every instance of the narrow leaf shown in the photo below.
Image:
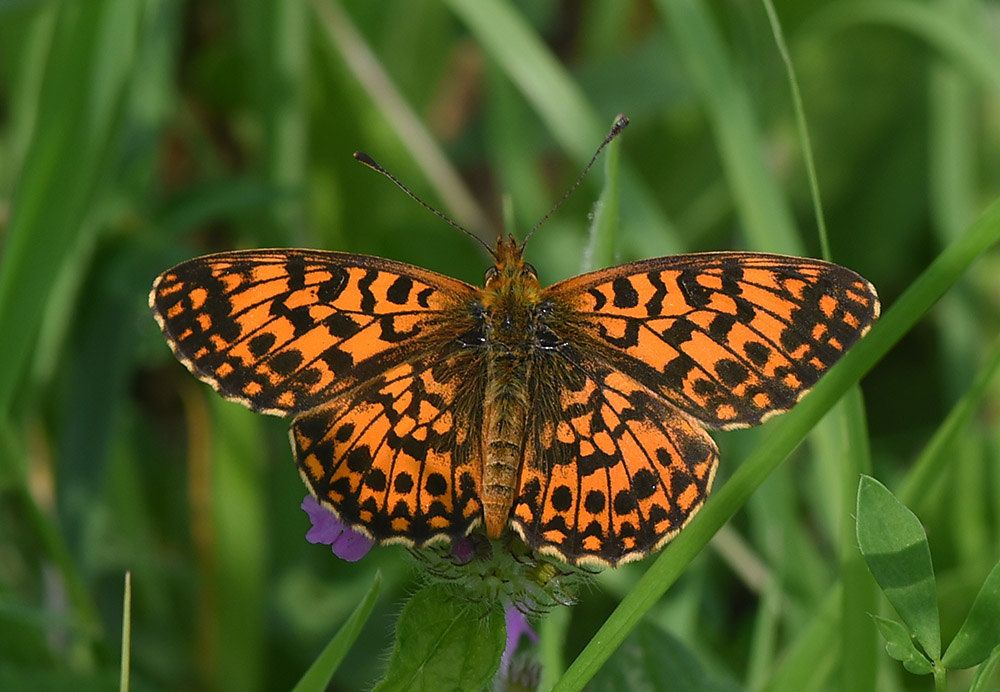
(895, 547)
(980, 633)
(317, 678)
(983, 681)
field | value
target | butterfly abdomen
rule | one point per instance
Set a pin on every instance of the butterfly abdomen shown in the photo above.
(505, 412)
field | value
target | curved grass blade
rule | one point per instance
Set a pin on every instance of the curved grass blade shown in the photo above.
(317, 678)
(927, 470)
(373, 77)
(761, 204)
(980, 633)
(523, 56)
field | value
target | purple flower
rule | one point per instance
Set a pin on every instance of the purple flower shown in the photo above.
(346, 543)
(517, 626)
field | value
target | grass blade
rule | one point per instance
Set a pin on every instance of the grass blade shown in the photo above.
(960, 42)
(767, 219)
(562, 106)
(317, 678)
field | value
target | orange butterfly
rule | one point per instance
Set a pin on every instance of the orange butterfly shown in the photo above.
(424, 406)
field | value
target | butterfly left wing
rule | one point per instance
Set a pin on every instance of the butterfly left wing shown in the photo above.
(728, 337)
(612, 471)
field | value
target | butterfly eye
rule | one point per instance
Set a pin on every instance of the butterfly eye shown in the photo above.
(491, 273)
(530, 269)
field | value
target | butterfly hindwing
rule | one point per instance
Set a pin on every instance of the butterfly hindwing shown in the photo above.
(617, 474)
(283, 331)
(398, 457)
(730, 338)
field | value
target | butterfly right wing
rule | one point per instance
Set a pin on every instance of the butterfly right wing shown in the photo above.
(283, 331)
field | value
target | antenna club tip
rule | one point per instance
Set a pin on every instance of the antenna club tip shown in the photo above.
(364, 158)
(621, 122)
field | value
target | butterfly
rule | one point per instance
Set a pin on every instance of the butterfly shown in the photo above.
(575, 414)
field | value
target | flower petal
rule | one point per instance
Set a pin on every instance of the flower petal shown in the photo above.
(517, 626)
(346, 543)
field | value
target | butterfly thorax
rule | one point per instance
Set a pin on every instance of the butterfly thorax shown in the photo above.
(511, 303)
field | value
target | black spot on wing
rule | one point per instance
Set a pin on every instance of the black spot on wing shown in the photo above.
(399, 291)
(625, 295)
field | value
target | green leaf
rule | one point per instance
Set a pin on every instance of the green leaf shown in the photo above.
(899, 645)
(895, 547)
(444, 643)
(980, 633)
(317, 678)
(764, 211)
(983, 681)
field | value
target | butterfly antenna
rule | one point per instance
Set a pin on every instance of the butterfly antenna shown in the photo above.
(621, 122)
(374, 165)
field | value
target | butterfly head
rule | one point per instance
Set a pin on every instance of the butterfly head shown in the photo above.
(509, 270)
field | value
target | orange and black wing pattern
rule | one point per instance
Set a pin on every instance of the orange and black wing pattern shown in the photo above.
(398, 458)
(617, 461)
(385, 367)
(612, 471)
(366, 353)
(730, 338)
(283, 331)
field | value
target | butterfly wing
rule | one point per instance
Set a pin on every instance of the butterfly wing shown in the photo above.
(730, 338)
(398, 457)
(367, 353)
(612, 471)
(283, 331)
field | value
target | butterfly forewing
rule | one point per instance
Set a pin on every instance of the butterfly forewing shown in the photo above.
(284, 331)
(730, 338)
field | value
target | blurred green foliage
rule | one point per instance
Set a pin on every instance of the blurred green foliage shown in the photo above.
(138, 133)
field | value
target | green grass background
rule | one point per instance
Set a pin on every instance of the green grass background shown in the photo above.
(138, 133)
